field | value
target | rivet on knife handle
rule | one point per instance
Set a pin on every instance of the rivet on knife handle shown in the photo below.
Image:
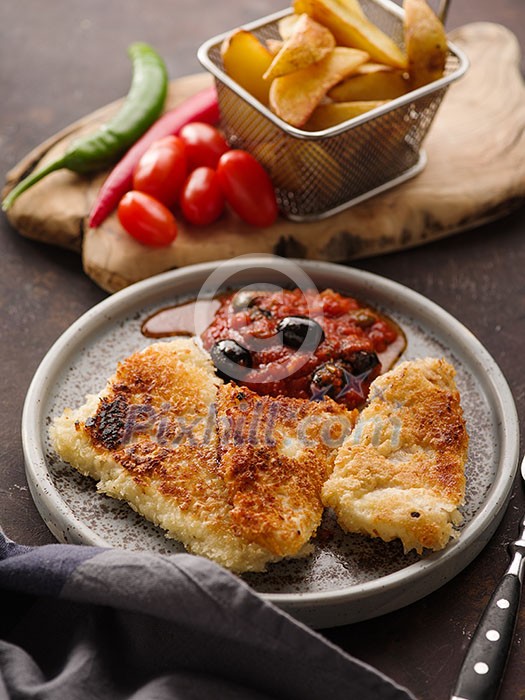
(482, 670)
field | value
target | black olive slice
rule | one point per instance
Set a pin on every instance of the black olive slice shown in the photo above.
(227, 356)
(301, 332)
(363, 362)
(337, 378)
(244, 299)
(328, 379)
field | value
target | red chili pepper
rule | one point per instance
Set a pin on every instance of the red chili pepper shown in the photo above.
(202, 106)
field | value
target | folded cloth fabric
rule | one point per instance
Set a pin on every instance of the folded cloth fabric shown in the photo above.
(80, 622)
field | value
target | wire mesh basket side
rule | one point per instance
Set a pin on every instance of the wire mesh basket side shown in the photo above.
(317, 175)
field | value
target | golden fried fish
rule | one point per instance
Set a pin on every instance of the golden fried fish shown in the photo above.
(167, 436)
(400, 474)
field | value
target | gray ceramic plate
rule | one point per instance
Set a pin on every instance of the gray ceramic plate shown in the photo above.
(349, 577)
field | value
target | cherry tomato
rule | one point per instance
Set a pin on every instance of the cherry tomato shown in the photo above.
(247, 188)
(202, 200)
(146, 219)
(204, 144)
(162, 170)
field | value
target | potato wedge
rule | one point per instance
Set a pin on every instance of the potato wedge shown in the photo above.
(326, 115)
(274, 46)
(426, 43)
(308, 43)
(294, 97)
(352, 6)
(351, 28)
(286, 24)
(372, 81)
(245, 60)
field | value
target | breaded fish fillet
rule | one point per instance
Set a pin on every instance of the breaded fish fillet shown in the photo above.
(275, 455)
(151, 438)
(400, 474)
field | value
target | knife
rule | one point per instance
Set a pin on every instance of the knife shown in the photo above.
(484, 665)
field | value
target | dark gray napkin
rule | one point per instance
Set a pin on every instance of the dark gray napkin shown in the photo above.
(81, 623)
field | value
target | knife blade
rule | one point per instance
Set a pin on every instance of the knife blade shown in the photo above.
(486, 658)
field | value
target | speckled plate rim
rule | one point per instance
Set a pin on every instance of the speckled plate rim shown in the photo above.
(319, 609)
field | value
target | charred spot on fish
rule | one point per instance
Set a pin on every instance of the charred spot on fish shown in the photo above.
(107, 426)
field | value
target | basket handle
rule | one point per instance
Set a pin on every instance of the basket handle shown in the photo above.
(443, 9)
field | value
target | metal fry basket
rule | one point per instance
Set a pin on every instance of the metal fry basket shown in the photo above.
(319, 173)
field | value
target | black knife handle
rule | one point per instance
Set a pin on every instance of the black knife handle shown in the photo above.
(484, 664)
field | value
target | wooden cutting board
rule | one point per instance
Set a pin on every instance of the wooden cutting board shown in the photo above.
(475, 173)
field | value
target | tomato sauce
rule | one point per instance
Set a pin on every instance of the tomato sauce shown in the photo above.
(302, 344)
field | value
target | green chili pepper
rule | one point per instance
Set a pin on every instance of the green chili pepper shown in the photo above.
(141, 108)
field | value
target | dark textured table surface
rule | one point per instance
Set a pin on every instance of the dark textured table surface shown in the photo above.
(60, 60)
